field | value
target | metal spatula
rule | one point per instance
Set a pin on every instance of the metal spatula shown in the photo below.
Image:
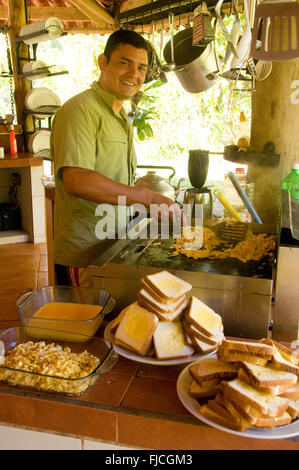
(278, 23)
(230, 231)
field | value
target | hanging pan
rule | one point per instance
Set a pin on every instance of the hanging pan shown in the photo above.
(196, 67)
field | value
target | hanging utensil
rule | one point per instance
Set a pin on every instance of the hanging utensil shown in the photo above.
(243, 47)
(278, 24)
(223, 27)
(263, 69)
(171, 64)
(202, 29)
(234, 34)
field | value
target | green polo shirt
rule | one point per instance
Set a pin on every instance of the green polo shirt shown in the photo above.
(87, 133)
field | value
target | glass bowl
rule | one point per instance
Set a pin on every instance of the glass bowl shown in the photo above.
(15, 336)
(61, 329)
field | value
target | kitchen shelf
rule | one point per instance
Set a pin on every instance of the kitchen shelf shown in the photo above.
(44, 72)
(42, 110)
(6, 75)
(36, 35)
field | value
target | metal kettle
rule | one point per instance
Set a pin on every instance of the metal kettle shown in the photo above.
(156, 183)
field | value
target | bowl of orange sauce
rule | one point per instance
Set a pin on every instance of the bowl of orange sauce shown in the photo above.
(67, 312)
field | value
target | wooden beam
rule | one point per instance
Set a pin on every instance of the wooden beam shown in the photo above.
(42, 13)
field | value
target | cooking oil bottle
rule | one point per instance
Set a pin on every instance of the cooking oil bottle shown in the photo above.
(243, 138)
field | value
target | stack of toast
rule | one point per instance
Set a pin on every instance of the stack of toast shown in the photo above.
(203, 327)
(166, 324)
(164, 294)
(257, 394)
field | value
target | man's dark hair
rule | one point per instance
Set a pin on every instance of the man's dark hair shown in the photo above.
(124, 36)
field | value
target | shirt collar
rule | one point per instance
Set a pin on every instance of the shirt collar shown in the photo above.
(108, 98)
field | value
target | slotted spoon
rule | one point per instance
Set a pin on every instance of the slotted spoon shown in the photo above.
(278, 23)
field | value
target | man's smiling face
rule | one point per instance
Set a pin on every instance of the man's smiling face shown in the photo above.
(125, 72)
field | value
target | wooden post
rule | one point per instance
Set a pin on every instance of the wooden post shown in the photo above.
(275, 117)
(17, 19)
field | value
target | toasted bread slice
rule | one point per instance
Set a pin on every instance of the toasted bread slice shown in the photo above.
(268, 376)
(205, 390)
(167, 285)
(169, 341)
(248, 347)
(220, 419)
(292, 392)
(136, 328)
(218, 405)
(246, 395)
(261, 422)
(211, 368)
(165, 308)
(192, 330)
(271, 389)
(280, 363)
(293, 408)
(289, 354)
(204, 318)
(166, 316)
(237, 357)
(202, 346)
(154, 294)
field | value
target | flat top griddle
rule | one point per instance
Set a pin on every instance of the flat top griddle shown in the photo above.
(159, 253)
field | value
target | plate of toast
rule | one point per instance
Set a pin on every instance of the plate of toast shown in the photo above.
(164, 326)
(247, 388)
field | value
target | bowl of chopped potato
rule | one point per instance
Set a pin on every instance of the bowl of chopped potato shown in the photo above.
(30, 360)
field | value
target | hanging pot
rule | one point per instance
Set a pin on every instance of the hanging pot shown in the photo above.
(196, 66)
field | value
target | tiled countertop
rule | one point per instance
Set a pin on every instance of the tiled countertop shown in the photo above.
(132, 405)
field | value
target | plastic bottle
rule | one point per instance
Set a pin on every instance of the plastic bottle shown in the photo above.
(292, 178)
(243, 138)
(233, 197)
(13, 142)
(294, 193)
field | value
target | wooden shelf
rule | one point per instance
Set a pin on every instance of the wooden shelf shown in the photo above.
(24, 159)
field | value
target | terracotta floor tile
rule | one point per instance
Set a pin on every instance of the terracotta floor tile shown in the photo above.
(18, 264)
(42, 280)
(43, 263)
(154, 395)
(20, 249)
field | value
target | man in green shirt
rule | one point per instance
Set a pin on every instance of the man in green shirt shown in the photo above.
(94, 158)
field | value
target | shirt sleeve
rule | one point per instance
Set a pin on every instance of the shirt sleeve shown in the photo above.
(73, 137)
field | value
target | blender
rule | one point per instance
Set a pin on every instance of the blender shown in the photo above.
(198, 166)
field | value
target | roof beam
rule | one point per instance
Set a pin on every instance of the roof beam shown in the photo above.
(42, 13)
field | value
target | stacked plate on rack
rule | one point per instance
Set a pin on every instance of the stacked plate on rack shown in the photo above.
(43, 101)
(39, 141)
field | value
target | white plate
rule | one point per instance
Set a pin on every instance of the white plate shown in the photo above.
(152, 360)
(192, 405)
(41, 96)
(38, 141)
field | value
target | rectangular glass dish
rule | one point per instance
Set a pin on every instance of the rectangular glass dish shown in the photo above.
(20, 376)
(64, 329)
